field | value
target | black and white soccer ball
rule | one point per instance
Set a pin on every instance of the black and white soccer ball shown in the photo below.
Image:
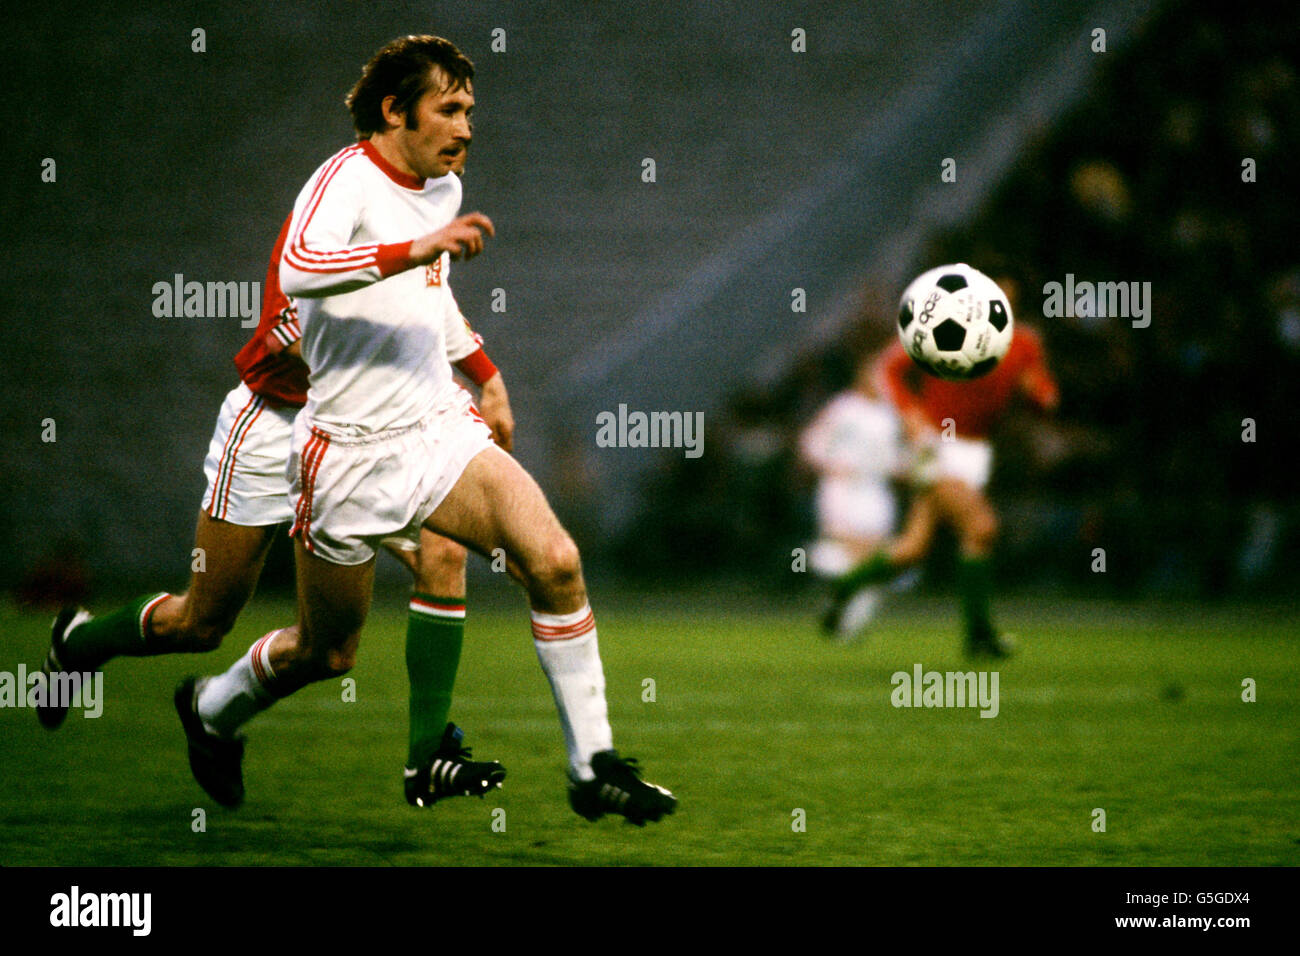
(955, 322)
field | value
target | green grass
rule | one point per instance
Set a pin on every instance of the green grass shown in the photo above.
(1136, 710)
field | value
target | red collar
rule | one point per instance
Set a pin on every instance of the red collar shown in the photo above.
(391, 171)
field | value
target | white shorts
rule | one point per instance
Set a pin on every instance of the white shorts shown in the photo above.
(847, 509)
(350, 493)
(247, 460)
(969, 461)
(830, 558)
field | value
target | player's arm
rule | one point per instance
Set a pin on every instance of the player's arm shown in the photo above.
(1036, 381)
(494, 406)
(824, 445)
(465, 351)
(285, 337)
(320, 259)
(815, 442)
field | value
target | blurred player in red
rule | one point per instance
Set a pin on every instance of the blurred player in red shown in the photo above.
(948, 422)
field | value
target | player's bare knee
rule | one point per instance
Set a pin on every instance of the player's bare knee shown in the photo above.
(207, 635)
(563, 561)
(197, 632)
(906, 553)
(559, 571)
(337, 662)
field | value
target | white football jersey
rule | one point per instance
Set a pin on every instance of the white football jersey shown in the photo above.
(374, 329)
(855, 440)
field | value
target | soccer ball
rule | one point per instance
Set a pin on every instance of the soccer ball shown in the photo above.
(955, 322)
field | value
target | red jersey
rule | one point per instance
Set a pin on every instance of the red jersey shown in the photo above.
(280, 377)
(976, 405)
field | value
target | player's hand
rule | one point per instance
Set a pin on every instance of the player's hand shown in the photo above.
(462, 238)
(494, 406)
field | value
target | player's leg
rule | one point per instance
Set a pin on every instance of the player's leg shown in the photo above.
(333, 601)
(855, 519)
(864, 583)
(971, 515)
(221, 584)
(160, 623)
(435, 630)
(893, 557)
(244, 501)
(496, 504)
(830, 558)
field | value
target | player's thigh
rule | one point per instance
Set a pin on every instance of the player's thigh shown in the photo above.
(225, 566)
(333, 601)
(913, 540)
(967, 508)
(859, 547)
(496, 504)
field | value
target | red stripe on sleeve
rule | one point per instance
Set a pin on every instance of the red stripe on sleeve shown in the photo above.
(477, 367)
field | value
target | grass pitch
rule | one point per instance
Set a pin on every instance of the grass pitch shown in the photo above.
(757, 724)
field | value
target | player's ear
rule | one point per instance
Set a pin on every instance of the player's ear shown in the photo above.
(392, 117)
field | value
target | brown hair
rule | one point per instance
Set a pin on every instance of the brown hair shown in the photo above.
(404, 68)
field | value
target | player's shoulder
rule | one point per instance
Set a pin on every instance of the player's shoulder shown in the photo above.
(853, 405)
(892, 354)
(1027, 334)
(340, 166)
(345, 158)
(1027, 344)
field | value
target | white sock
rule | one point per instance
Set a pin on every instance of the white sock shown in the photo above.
(229, 700)
(566, 648)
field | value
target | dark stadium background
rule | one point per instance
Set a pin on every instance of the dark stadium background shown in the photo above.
(776, 170)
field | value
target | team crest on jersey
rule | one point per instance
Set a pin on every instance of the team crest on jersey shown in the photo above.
(433, 272)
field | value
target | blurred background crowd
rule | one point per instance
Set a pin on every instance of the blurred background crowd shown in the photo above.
(1151, 456)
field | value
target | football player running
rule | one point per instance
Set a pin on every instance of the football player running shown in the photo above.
(247, 501)
(388, 446)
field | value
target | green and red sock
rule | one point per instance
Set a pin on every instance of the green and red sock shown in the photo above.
(876, 569)
(124, 632)
(435, 631)
(975, 582)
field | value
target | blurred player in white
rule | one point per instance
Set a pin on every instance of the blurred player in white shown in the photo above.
(855, 445)
(388, 445)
